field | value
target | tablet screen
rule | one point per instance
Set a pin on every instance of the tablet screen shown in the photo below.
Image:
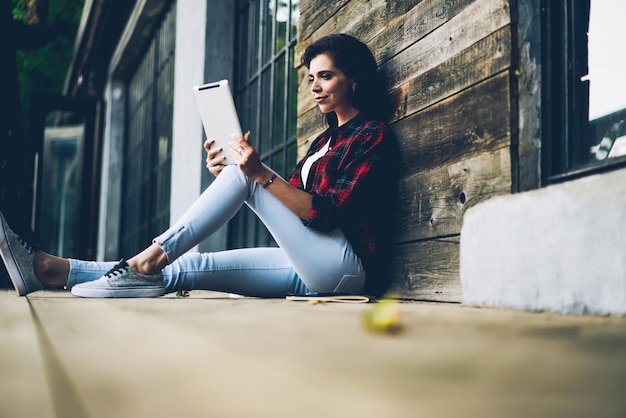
(218, 114)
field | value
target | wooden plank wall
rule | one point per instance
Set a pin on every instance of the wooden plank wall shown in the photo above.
(448, 63)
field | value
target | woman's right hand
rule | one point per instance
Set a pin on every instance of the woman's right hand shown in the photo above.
(213, 163)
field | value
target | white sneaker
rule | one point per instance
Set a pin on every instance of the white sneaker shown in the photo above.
(122, 282)
(19, 259)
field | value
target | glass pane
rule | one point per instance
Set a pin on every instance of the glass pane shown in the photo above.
(278, 107)
(265, 110)
(147, 153)
(250, 226)
(292, 156)
(282, 19)
(268, 28)
(268, 105)
(138, 153)
(263, 237)
(295, 17)
(61, 185)
(292, 117)
(253, 112)
(242, 110)
(242, 45)
(235, 231)
(607, 84)
(253, 39)
(278, 163)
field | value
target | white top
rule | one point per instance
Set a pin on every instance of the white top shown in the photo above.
(306, 167)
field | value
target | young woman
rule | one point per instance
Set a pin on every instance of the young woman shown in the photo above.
(331, 220)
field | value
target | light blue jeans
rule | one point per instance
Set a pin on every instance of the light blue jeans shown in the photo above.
(306, 260)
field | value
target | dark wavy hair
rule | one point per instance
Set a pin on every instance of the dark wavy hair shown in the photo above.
(356, 61)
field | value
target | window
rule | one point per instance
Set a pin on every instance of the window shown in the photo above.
(148, 141)
(584, 91)
(607, 89)
(265, 93)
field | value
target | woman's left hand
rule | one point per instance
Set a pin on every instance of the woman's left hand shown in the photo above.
(246, 157)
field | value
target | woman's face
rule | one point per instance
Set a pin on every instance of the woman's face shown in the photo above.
(331, 88)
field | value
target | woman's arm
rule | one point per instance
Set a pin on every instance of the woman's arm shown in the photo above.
(299, 201)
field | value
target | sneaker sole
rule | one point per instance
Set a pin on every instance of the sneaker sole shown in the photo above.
(9, 262)
(143, 292)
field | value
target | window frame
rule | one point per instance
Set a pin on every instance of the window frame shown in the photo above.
(565, 93)
(148, 135)
(266, 108)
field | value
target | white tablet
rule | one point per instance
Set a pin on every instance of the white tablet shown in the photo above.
(219, 116)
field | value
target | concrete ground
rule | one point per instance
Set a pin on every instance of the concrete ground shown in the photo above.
(210, 355)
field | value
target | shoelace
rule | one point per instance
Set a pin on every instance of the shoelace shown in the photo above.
(25, 244)
(117, 270)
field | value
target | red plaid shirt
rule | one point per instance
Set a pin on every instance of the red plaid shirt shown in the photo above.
(350, 185)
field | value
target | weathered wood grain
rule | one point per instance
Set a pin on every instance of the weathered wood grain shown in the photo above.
(314, 13)
(460, 127)
(436, 49)
(448, 64)
(343, 15)
(361, 19)
(473, 65)
(480, 61)
(428, 270)
(310, 123)
(305, 98)
(433, 202)
(303, 145)
(475, 22)
(529, 95)
(408, 28)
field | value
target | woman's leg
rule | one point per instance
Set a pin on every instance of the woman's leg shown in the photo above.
(260, 272)
(211, 210)
(86, 271)
(52, 271)
(324, 261)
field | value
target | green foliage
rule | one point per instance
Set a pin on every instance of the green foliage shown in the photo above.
(18, 9)
(45, 69)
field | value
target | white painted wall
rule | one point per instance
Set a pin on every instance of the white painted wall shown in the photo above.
(560, 249)
(187, 152)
